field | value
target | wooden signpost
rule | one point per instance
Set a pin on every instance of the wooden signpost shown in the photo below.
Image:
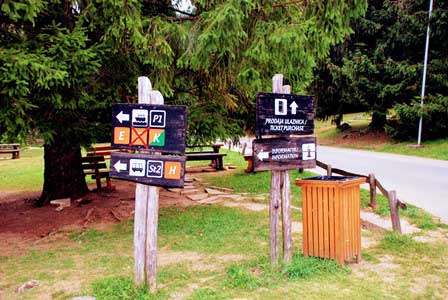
(282, 114)
(151, 128)
(157, 170)
(281, 154)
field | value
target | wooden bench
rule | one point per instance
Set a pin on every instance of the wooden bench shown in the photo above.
(213, 155)
(11, 148)
(94, 164)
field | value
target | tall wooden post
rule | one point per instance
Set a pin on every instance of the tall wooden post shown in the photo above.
(280, 195)
(394, 212)
(146, 211)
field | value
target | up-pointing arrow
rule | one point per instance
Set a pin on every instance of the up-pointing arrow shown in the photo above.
(120, 166)
(122, 117)
(263, 155)
(293, 107)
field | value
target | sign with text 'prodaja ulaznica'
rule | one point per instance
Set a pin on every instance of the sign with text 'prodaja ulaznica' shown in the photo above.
(156, 170)
(284, 153)
(147, 126)
(284, 114)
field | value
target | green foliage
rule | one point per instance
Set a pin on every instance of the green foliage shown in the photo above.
(404, 125)
(308, 267)
(119, 288)
(380, 66)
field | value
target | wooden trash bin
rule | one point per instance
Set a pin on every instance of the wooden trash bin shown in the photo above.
(331, 217)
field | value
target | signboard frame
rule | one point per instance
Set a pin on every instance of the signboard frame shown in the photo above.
(284, 153)
(284, 114)
(152, 127)
(144, 174)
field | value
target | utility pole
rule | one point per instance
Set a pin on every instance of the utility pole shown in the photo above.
(425, 66)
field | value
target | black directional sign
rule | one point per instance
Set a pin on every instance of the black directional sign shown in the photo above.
(284, 114)
(284, 153)
(152, 127)
(156, 170)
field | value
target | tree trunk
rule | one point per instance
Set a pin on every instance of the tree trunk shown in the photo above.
(63, 176)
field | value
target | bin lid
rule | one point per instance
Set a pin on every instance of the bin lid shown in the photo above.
(331, 178)
(331, 181)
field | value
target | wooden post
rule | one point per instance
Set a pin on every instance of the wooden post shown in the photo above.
(329, 171)
(372, 186)
(274, 205)
(394, 213)
(146, 211)
(280, 194)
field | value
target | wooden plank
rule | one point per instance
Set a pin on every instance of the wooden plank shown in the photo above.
(315, 222)
(338, 225)
(153, 127)
(285, 153)
(331, 222)
(305, 220)
(274, 205)
(141, 205)
(284, 114)
(326, 225)
(286, 215)
(309, 195)
(320, 216)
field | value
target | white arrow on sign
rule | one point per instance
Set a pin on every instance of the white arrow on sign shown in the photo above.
(120, 166)
(122, 117)
(293, 107)
(263, 155)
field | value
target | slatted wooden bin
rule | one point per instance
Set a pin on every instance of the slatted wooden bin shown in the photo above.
(331, 217)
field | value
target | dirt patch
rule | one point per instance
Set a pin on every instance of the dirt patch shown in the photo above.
(359, 137)
(385, 269)
(22, 225)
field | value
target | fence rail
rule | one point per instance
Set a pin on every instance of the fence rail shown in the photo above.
(394, 202)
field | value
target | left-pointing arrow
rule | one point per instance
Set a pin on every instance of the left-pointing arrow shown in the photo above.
(122, 117)
(120, 166)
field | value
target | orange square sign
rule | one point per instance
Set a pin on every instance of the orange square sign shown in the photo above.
(121, 135)
(172, 170)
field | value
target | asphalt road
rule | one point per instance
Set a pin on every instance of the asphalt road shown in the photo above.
(420, 181)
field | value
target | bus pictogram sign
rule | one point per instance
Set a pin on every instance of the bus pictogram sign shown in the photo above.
(157, 170)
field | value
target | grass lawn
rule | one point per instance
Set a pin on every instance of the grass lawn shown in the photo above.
(327, 134)
(217, 252)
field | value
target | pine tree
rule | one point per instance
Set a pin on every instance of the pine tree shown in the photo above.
(64, 63)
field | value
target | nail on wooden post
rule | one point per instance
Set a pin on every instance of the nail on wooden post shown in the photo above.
(372, 185)
(394, 213)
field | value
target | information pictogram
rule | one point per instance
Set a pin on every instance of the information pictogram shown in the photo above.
(284, 153)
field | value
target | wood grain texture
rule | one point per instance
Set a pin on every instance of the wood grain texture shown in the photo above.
(331, 216)
(274, 204)
(141, 204)
(286, 218)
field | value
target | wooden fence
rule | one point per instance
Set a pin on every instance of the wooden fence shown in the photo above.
(394, 202)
